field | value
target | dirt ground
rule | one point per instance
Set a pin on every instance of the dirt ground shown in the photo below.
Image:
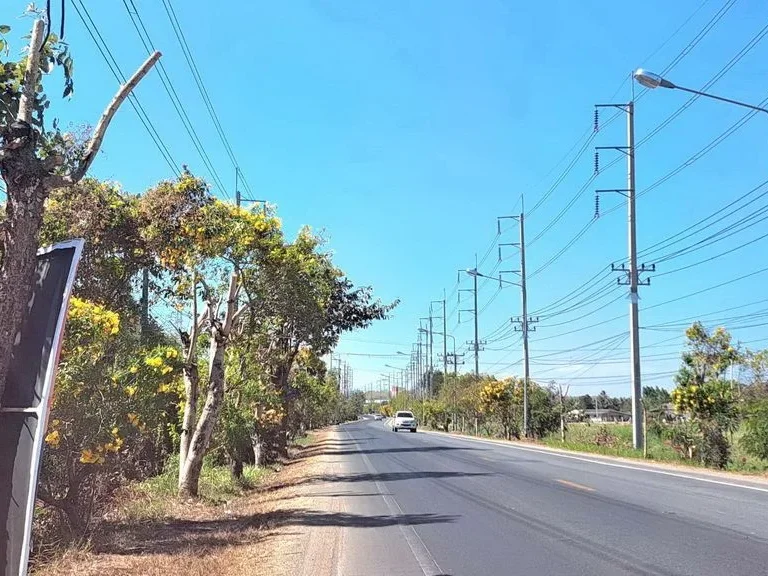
(279, 529)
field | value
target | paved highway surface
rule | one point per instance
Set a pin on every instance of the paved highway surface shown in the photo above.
(432, 504)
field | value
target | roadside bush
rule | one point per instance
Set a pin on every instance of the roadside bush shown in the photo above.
(605, 437)
(110, 413)
(544, 411)
(755, 438)
(685, 437)
(715, 449)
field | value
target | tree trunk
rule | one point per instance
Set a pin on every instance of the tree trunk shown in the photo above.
(257, 450)
(189, 476)
(280, 382)
(23, 218)
(645, 433)
(562, 427)
(191, 385)
(236, 469)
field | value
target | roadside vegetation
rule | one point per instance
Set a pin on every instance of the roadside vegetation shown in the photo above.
(195, 335)
(709, 419)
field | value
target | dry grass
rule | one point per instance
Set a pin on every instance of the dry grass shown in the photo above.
(258, 532)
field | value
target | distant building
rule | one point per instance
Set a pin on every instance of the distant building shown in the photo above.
(606, 415)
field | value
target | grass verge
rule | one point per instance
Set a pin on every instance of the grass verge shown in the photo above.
(155, 497)
(616, 440)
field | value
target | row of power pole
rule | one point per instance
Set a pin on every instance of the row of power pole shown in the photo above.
(343, 373)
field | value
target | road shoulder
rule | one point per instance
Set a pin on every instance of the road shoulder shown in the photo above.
(279, 529)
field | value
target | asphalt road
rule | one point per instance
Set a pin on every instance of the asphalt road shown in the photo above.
(431, 504)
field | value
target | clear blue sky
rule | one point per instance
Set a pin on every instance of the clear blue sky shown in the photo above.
(405, 128)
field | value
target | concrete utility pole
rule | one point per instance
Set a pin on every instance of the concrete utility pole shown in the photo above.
(417, 388)
(524, 295)
(445, 342)
(431, 352)
(445, 338)
(524, 320)
(632, 274)
(477, 336)
(476, 343)
(634, 320)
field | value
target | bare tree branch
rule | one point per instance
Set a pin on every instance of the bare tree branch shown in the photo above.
(101, 128)
(31, 73)
(231, 302)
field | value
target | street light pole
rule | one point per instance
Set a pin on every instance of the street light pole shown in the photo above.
(632, 272)
(634, 321)
(524, 292)
(652, 81)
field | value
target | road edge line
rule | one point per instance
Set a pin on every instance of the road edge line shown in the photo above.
(421, 553)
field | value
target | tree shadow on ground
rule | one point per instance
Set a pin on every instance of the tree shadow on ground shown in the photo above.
(198, 537)
(368, 477)
(403, 450)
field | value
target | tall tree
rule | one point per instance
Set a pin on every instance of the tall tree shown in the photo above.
(34, 161)
(703, 392)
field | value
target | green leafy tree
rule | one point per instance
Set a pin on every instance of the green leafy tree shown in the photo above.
(755, 438)
(703, 393)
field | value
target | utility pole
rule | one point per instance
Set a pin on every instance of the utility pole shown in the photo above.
(631, 274)
(477, 336)
(431, 352)
(524, 320)
(417, 388)
(524, 292)
(455, 360)
(239, 197)
(445, 342)
(476, 343)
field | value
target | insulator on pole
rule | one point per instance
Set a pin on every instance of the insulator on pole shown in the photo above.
(597, 162)
(597, 120)
(597, 205)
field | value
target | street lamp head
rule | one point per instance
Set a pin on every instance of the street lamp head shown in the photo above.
(651, 80)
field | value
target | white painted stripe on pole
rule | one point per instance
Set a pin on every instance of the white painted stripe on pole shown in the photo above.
(419, 550)
(602, 462)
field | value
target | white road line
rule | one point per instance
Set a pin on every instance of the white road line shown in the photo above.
(420, 551)
(603, 463)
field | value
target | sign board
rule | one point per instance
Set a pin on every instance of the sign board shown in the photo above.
(27, 398)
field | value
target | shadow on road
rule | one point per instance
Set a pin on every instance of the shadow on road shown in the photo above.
(379, 477)
(405, 450)
(197, 537)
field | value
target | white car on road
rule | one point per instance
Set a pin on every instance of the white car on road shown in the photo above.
(404, 420)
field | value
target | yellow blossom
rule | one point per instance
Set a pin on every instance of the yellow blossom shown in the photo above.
(87, 456)
(53, 438)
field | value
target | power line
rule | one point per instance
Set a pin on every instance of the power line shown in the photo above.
(114, 67)
(179, 33)
(717, 214)
(139, 26)
(750, 45)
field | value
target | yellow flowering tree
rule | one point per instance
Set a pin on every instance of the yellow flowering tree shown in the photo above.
(107, 409)
(705, 396)
(501, 399)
